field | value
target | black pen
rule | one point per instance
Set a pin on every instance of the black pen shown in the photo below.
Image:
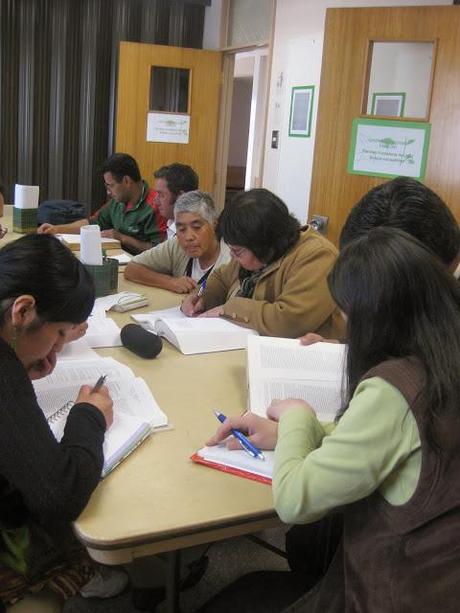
(99, 383)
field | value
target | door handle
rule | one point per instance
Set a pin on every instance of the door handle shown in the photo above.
(319, 223)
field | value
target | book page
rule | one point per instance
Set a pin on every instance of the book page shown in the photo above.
(135, 409)
(203, 334)
(239, 459)
(148, 320)
(282, 368)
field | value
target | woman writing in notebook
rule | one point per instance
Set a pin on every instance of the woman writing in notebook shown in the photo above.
(392, 462)
(44, 294)
(276, 282)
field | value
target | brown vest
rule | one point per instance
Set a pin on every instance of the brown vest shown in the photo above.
(407, 558)
(401, 559)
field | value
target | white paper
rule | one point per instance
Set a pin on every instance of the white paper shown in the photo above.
(123, 258)
(239, 459)
(283, 368)
(26, 196)
(168, 128)
(91, 245)
(102, 332)
(77, 350)
(130, 394)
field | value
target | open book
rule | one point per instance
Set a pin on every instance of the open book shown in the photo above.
(280, 368)
(135, 411)
(73, 242)
(195, 334)
(237, 462)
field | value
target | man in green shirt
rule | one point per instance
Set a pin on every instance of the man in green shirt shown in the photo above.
(131, 216)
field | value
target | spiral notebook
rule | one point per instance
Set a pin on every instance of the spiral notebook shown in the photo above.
(135, 411)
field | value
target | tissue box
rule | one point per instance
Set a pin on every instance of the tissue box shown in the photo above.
(105, 277)
(24, 220)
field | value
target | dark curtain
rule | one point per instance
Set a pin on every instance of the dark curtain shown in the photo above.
(58, 70)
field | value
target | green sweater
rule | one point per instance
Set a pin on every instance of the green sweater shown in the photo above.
(375, 446)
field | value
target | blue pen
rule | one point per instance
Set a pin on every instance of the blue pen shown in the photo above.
(202, 288)
(253, 451)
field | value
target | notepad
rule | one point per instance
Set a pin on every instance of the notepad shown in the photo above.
(73, 242)
(280, 368)
(195, 334)
(236, 462)
(136, 413)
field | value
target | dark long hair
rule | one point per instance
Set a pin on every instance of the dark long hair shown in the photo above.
(261, 222)
(39, 265)
(400, 301)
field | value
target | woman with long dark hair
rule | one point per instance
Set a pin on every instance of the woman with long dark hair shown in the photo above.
(391, 464)
(44, 293)
(276, 282)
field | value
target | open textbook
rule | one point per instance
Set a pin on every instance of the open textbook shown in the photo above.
(236, 462)
(135, 411)
(73, 242)
(280, 368)
(195, 334)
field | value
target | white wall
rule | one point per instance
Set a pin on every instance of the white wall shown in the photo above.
(297, 51)
(239, 126)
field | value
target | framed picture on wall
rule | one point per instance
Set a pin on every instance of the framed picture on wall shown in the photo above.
(301, 110)
(388, 104)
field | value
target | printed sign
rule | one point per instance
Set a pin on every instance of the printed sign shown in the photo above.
(386, 148)
(168, 128)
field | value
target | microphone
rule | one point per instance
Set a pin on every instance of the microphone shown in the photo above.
(139, 341)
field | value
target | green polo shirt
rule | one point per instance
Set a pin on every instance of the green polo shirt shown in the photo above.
(142, 221)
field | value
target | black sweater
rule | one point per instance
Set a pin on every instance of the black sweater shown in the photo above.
(39, 477)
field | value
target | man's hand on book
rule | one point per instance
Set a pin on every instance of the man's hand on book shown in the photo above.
(263, 433)
(100, 399)
(278, 407)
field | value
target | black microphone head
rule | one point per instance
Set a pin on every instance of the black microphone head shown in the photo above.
(141, 342)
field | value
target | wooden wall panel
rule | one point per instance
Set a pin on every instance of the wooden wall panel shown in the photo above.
(136, 60)
(348, 32)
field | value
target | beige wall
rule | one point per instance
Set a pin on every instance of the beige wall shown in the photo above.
(297, 50)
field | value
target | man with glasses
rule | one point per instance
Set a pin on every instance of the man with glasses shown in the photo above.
(130, 216)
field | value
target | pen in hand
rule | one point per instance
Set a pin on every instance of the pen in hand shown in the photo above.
(249, 447)
(202, 288)
(99, 383)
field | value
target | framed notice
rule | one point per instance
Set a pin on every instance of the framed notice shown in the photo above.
(389, 104)
(386, 148)
(301, 110)
(168, 127)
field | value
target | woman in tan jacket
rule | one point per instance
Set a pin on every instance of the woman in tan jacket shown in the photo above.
(276, 282)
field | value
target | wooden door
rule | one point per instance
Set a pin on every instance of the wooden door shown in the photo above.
(133, 97)
(347, 39)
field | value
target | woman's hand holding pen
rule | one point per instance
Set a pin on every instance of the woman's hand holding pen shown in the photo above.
(192, 305)
(99, 397)
(260, 431)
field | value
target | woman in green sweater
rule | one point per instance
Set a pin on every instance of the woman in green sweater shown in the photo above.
(391, 464)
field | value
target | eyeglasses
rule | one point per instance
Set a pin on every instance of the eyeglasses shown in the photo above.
(237, 252)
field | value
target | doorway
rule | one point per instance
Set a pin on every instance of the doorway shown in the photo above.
(243, 167)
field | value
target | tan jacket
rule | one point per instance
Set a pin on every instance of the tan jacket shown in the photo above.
(290, 298)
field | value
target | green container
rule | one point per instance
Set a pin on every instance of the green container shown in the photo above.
(105, 277)
(24, 220)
